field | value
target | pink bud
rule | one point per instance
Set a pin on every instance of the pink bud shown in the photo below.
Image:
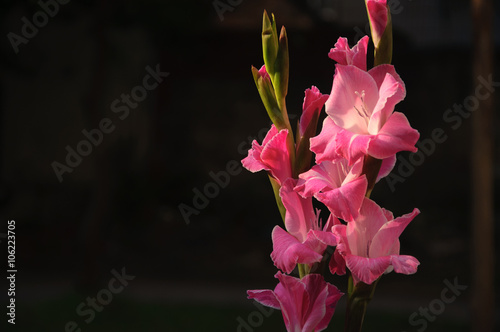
(377, 13)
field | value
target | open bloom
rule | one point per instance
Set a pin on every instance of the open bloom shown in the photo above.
(305, 239)
(307, 304)
(355, 56)
(361, 118)
(271, 156)
(370, 244)
(337, 185)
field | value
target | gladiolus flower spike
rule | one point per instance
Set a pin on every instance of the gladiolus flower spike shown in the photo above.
(356, 147)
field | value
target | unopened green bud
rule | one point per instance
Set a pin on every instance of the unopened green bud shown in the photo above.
(269, 42)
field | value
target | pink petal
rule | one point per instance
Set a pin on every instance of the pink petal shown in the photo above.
(263, 72)
(377, 12)
(300, 216)
(325, 176)
(265, 297)
(360, 232)
(346, 56)
(325, 237)
(272, 156)
(396, 135)
(323, 298)
(366, 269)
(313, 103)
(387, 166)
(288, 251)
(334, 296)
(328, 175)
(373, 217)
(404, 264)
(253, 162)
(337, 262)
(379, 73)
(318, 293)
(340, 231)
(314, 243)
(352, 146)
(388, 234)
(388, 214)
(345, 202)
(307, 304)
(273, 131)
(319, 240)
(275, 155)
(354, 92)
(294, 300)
(355, 171)
(332, 221)
(391, 92)
(324, 145)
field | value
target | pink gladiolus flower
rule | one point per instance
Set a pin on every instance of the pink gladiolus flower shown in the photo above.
(305, 242)
(347, 56)
(339, 186)
(370, 244)
(361, 118)
(378, 14)
(307, 304)
(271, 156)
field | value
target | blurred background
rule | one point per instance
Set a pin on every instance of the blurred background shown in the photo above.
(122, 127)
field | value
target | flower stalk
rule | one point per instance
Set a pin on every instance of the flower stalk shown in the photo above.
(272, 84)
(371, 168)
(360, 294)
(276, 189)
(358, 297)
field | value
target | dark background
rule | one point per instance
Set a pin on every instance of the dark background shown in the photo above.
(119, 208)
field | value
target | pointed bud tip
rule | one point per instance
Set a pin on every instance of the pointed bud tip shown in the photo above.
(283, 32)
(283, 39)
(268, 23)
(255, 74)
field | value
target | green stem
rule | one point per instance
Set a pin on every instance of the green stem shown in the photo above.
(290, 141)
(359, 296)
(371, 168)
(276, 190)
(303, 270)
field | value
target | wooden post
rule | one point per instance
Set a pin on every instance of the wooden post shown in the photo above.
(483, 266)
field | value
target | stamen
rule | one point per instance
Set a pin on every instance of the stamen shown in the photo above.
(364, 113)
(359, 113)
(318, 225)
(343, 167)
(360, 95)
